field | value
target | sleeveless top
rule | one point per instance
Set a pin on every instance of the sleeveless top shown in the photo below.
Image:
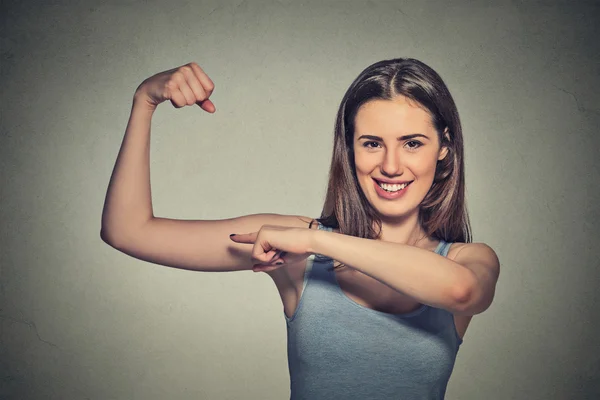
(339, 349)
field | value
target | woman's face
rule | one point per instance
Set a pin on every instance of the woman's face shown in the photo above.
(395, 142)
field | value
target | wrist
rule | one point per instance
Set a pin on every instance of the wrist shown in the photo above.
(316, 238)
(140, 102)
(141, 99)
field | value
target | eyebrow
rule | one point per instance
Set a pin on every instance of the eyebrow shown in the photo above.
(405, 137)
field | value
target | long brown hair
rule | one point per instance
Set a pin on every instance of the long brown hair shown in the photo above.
(442, 213)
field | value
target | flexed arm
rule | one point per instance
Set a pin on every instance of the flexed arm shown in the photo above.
(128, 202)
(128, 221)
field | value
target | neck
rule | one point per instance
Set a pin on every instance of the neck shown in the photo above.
(405, 230)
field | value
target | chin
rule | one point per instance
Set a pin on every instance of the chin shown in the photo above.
(391, 209)
(396, 214)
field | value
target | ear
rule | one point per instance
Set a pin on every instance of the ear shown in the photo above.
(444, 150)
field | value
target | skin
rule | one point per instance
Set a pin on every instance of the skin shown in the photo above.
(412, 159)
(391, 275)
(378, 153)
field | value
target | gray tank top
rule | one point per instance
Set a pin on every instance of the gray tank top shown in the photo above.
(339, 349)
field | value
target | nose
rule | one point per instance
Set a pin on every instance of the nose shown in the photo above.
(391, 165)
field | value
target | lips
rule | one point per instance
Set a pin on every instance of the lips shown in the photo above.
(389, 195)
(392, 182)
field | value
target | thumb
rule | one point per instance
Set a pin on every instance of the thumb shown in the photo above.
(207, 105)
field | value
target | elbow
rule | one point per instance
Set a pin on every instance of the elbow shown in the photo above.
(461, 300)
(471, 302)
(108, 228)
(113, 237)
(108, 237)
(462, 297)
(119, 235)
(105, 235)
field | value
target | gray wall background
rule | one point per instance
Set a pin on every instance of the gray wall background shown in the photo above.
(79, 320)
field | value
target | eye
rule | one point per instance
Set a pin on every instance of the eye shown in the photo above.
(416, 144)
(367, 144)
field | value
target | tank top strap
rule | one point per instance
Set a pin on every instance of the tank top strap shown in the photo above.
(311, 259)
(324, 228)
(330, 343)
(443, 247)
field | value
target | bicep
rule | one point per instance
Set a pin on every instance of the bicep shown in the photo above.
(201, 245)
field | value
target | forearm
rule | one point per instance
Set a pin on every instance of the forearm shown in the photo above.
(128, 202)
(421, 274)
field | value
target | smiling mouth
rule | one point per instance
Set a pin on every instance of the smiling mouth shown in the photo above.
(392, 188)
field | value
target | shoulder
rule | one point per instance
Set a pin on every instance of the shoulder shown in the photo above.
(475, 256)
(481, 260)
(459, 250)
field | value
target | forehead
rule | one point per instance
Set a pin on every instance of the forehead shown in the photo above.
(399, 115)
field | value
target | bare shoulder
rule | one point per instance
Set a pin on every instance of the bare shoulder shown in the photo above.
(480, 259)
(478, 250)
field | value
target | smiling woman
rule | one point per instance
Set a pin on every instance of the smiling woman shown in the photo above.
(379, 290)
(387, 163)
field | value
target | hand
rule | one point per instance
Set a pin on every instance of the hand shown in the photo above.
(275, 246)
(185, 85)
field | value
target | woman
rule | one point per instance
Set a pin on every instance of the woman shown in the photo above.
(386, 318)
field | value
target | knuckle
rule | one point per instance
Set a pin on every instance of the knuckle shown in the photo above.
(198, 96)
(171, 85)
(178, 75)
(186, 69)
(200, 93)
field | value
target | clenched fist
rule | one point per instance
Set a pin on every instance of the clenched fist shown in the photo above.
(185, 85)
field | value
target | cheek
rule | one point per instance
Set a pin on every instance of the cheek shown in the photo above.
(362, 165)
(425, 165)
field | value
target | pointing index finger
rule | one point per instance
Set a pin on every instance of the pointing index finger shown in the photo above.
(243, 237)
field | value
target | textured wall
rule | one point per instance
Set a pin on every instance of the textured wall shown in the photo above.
(79, 320)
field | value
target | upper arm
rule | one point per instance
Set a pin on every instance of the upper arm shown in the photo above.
(202, 245)
(483, 263)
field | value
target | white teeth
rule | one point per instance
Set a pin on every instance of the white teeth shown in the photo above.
(392, 188)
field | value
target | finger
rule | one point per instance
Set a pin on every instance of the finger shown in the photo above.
(249, 238)
(282, 254)
(177, 98)
(271, 264)
(279, 254)
(276, 255)
(194, 84)
(262, 256)
(184, 88)
(272, 255)
(205, 81)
